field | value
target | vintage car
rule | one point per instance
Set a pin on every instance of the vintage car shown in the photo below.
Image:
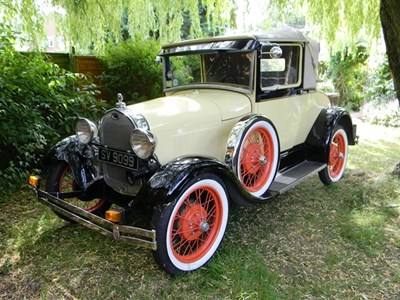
(241, 122)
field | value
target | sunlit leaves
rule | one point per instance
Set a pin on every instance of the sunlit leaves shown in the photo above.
(342, 21)
(94, 22)
(24, 16)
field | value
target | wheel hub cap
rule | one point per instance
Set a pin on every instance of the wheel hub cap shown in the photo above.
(204, 226)
(194, 222)
(253, 158)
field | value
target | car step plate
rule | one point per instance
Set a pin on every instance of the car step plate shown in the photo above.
(292, 177)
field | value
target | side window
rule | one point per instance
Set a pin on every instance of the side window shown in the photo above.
(283, 72)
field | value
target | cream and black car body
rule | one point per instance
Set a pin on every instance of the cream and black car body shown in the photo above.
(241, 122)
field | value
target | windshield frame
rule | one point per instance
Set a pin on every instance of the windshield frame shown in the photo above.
(228, 82)
(237, 47)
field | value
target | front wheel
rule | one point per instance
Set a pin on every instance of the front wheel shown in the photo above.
(60, 179)
(190, 229)
(338, 151)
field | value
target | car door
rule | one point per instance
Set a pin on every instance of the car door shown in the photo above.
(279, 77)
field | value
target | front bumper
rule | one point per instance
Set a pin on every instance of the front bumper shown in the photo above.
(129, 234)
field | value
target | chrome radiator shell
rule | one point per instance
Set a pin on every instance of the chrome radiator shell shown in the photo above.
(115, 130)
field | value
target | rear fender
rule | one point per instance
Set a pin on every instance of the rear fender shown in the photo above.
(170, 181)
(320, 135)
(79, 157)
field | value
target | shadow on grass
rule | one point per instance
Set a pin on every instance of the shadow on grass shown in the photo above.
(45, 257)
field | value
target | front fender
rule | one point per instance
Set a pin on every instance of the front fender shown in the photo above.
(169, 182)
(79, 157)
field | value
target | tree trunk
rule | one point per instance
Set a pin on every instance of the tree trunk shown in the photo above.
(390, 19)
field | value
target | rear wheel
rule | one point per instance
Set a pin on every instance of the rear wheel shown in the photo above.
(191, 228)
(338, 151)
(60, 179)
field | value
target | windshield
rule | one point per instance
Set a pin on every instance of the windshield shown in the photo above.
(224, 68)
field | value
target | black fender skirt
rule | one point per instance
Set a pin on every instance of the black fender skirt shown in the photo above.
(319, 137)
(170, 181)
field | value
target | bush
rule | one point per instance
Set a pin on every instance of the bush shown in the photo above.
(383, 107)
(130, 69)
(380, 83)
(386, 113)
(347, 70)
(39, 104)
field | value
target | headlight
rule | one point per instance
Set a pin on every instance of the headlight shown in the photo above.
(86, 130)
(143, 143)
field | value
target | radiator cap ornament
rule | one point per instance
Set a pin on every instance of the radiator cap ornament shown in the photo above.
(120, 104)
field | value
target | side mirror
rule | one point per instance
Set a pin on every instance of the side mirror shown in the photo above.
(158, 59)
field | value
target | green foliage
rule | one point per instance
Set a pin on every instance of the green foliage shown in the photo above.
(380, 83)
(382, 107)
(39, 103)
(24, 16)
(341, 22)
(130, 69)
(386, 113)
(348, 70)
(90, 22)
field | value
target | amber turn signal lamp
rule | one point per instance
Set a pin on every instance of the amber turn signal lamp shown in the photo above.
(114, 216)
(34, 180)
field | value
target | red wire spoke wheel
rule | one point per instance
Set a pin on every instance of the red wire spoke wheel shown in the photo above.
(258, 158)
(67, 184)
(190, 231)
(60, 179)
(338, 152)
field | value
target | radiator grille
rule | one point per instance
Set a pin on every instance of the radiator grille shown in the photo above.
(115, 132)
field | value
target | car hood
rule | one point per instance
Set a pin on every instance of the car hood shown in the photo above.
(185, 109)
(193, 123)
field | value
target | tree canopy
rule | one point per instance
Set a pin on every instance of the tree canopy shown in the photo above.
(342, 20)
(95, 22)
(351, 21)
(23, 15)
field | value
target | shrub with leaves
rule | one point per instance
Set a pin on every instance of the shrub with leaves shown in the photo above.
(380, 83)
(39, 104)
(386, 113)
(348, 69)
(382, 107)
(130, 69)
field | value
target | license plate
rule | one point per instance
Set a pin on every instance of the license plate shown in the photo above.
(119, 158)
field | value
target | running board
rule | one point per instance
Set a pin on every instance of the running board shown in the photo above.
(292, 177)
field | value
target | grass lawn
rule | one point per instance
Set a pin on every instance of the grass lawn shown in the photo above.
(314, 242)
